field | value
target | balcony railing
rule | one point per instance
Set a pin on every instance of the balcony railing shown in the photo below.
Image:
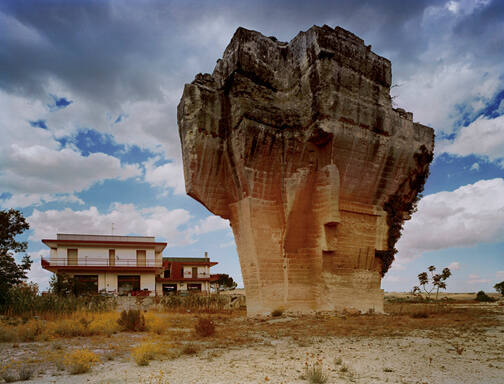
(84, 261)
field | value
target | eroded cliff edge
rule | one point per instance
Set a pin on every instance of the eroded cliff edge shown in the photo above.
(297, 144)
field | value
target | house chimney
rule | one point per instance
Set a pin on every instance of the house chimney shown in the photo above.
(206, 255)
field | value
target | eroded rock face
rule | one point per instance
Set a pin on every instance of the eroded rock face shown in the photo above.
(297, 144)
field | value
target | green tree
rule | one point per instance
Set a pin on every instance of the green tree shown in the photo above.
(430, 282)
(12, 223)
(62, 284)
(226, 282)
(499, 287)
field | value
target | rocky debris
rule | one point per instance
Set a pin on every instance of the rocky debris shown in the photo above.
(298, 145)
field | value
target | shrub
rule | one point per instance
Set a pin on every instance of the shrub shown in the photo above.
(105, 324)
(483, 297)
(277, 312)
(9, 376)
(144, 353)
(71, 328)
(420, 315)
(314, 373)
(155, 323)
(204, 327)
(25, 373)
(190, 349)
(132, 320)
(30, 331)
(7, 334)
(80, 361)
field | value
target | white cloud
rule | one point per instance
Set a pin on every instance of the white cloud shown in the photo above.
(171, 225)
(455, 266)
(433, 92)
(210, 224)
(470, 215)
(169, 175)
(126, 219)
(35, 172)
(499, 274)
(476, 279)
(227, 244)
(35, 199)
(475, 167)
(483, 137)
(36, 273)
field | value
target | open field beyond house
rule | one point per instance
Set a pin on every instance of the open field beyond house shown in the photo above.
(456, 342)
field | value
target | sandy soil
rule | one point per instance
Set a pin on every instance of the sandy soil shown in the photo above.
(462, 354)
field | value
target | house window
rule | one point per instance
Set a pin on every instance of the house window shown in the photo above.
(167, 273)
(111, 257)
(85, 284)
(72, 257)
(195, 272)
(127, 284)
(140, 257)
(194, 287)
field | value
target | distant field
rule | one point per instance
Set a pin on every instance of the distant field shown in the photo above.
(453, 296)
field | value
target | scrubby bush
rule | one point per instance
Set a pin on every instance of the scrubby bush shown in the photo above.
(144, 353)
(190, 349)
(25, 372)
(277, 312)
(80, 361)
(209, 303)
(104, 324)
(156, 324)
(483, 297)
(132, 320)
(314, 373)
(204, 327)
(24, 300)
(30, 331)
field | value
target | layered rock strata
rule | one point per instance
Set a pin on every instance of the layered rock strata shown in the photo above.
(298, 145)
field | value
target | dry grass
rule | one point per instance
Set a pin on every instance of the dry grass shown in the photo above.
(80, 361)
(172, 335)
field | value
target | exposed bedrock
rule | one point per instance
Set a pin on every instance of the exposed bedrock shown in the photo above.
(298, 145)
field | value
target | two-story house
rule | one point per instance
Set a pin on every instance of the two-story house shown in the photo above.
(123, 265)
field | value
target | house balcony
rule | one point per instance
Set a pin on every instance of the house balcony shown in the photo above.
(83, 264)
(200, 277)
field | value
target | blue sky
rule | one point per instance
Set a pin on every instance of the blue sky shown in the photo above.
(88, 96)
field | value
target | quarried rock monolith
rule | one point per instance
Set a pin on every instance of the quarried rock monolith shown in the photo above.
(298, 145)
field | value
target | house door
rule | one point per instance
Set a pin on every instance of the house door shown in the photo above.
(111, 257)
(140, 255)
(195, 272)
(72, 257)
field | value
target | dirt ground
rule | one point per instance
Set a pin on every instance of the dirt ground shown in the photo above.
(459, 342)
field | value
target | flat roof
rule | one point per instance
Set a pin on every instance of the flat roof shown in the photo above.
(115, 238)
(187, 259)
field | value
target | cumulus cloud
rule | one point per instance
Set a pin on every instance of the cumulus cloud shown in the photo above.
(39, 171)
(467, 216)
(475, 167)
(477, 279)
(488, 133)
(168, 175)
(36, 273)
(210, 224)
(126, 219)
(455, 266)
